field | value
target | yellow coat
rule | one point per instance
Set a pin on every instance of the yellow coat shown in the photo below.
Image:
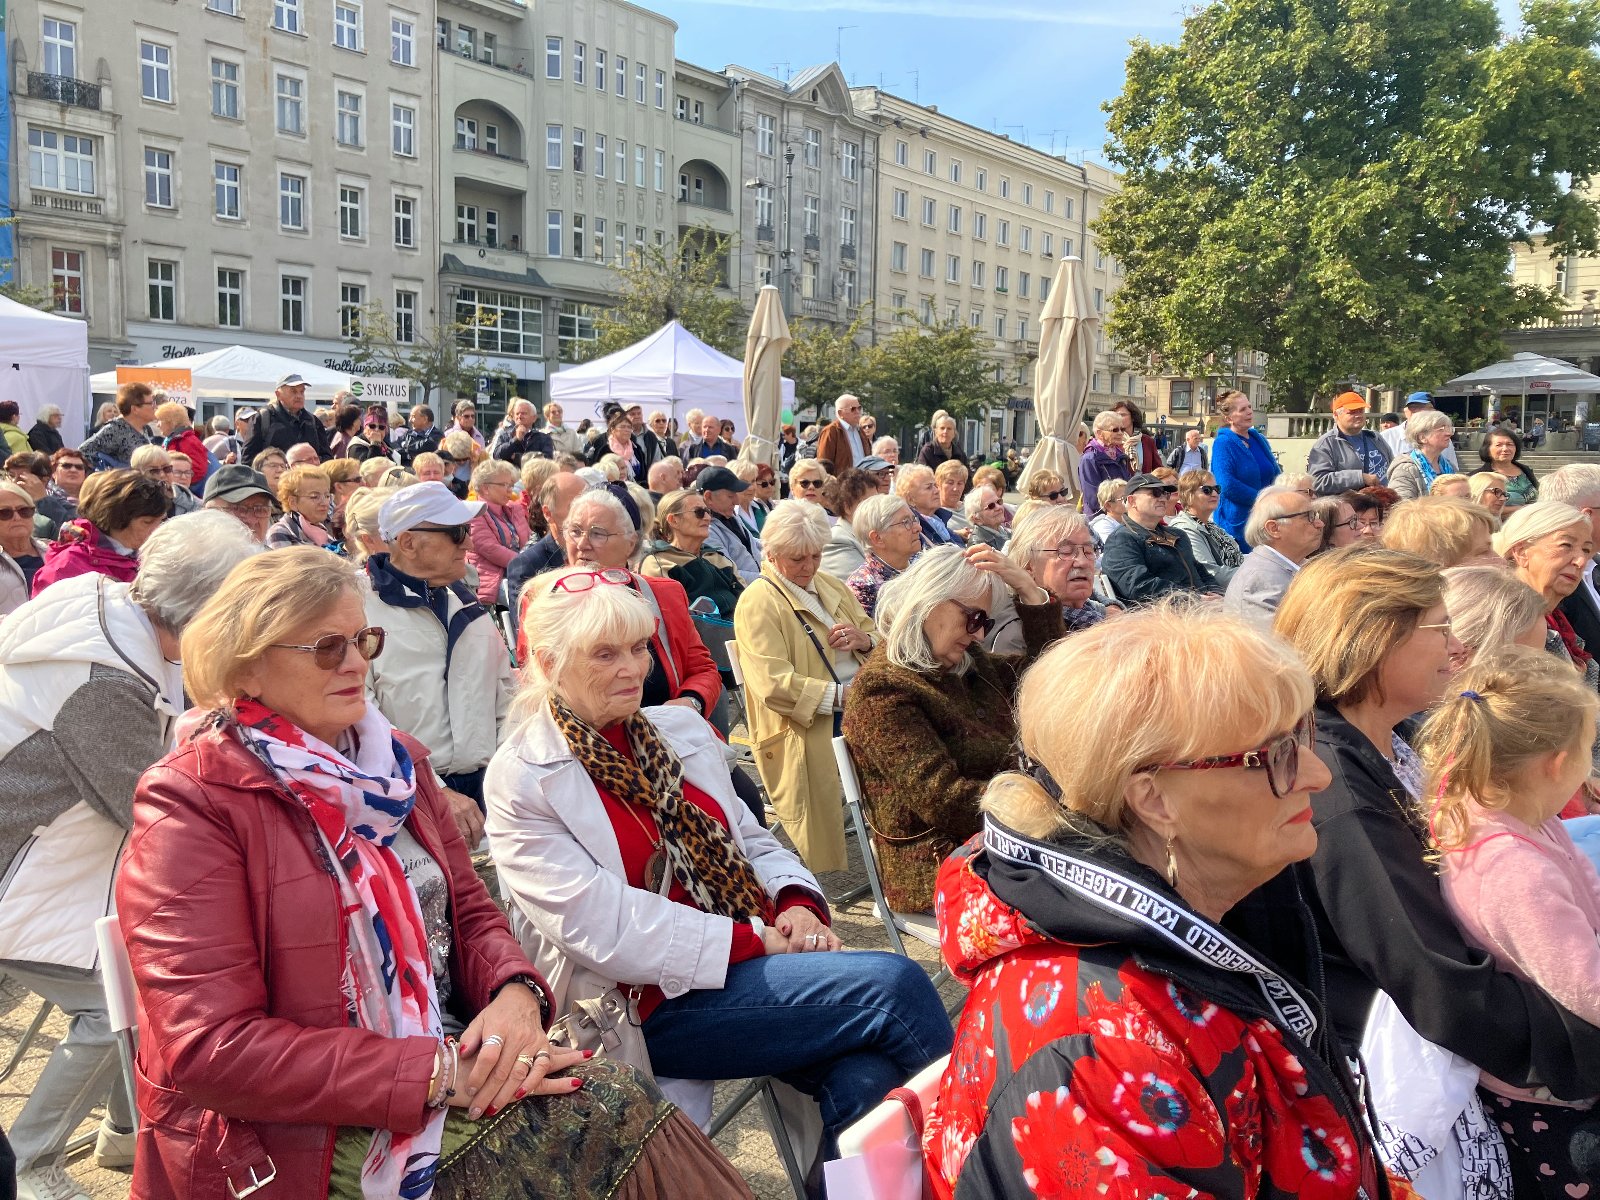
(784, 680)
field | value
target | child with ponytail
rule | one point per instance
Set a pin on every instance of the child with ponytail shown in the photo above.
(1503, 754)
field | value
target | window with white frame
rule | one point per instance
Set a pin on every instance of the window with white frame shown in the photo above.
(347, 130)
(579, 144)
(224, 89)
(902, 154)
(976, 318)
(1099, 259)
(955, 218)
(347, 24)
(977, 274)
(952, 313)
(402, 41)
(1025, 239)
(902, 204)
(619, 245)
(930, 163)
(925, 267)
(580, 56)
(405, 222)
(661, 170)
(352, 214)
(850, 160)
(897, 256)
(812, 148)
(1023, 281)
(466, 41)
(157, 177)
(1044, 288)
(352, 298)
(1047, 244)
(599, 239)
(955, 170)
(155, 72)
(1005, 188)
(291, 105)
(766, 135)
(405, 316)
(764, 207)
(1027, 194)
(847, 225)
(161, 289)
(999, 325)
(1066, 207)
(66, 280)
(60, 162)
(764, 263)
(59, 42)
(638, 166)
(847, 285)
(501, 322)
(980, 179)
(230, 297)
(441, 32)
(925, 310)
(575, 324)
(291, 201)
(621, 68)
(599, 156)
(620, 159)
(640, 74)
(552, 58)
(466, 223)
(810, 279)
(225, 180)
(287, 16)
(403, 129)
(1066, 247)
(682, 109)
(552, 147)
(1049, 201)
(1099, 299)
(600, 70)
(1002, 279)
(952, 268)
(466, 133)
(1002, 233)
(930, 211)
(813, 216)
(661, 90)
(552, 233)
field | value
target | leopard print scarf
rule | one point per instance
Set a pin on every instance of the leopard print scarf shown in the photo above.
(701, 853)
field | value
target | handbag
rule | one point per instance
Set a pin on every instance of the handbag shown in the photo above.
(603, 1017)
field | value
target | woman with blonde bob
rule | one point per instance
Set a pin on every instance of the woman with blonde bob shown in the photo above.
(1197, 793)
(304, 493)
(361, 538)
(929, 719)
(638, 874)
(1504, 755)
(1213, 546)
(802, 637)
(1372, 628)
(1490, 489)
(1452, 487)
(325, 985)
(1446, 531)
(500, 530)
(807, 478)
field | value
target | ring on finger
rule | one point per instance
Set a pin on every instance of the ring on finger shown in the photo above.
(527, 1060)
(494, 1039)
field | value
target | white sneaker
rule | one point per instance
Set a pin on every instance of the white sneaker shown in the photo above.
(49, 1183)
(113, 1149)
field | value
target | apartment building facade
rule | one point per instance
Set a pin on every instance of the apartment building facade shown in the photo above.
(190, 177)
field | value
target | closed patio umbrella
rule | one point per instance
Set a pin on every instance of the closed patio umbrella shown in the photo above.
(1068, 329)
(763, 379)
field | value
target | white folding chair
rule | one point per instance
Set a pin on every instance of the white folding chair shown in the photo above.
(880, 1156)
(116, 977)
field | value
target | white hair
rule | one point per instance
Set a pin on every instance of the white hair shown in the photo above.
(906, 601)
(794, 527)
(48, 411)
(1043, 528)
(148, 456)
(221, 425)
(1295, 481)
(1534, 522)
(1577, 484)
(884, 443)
(185, 561)
(975, 500)
(600, 498)
(1109, 419)
(1269, 506)
(491, 469)
(1420, 425)
(874, 515)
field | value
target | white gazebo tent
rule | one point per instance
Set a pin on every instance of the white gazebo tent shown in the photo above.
(240, 373)
(44, 359)
(671, 370)
(1527, 375)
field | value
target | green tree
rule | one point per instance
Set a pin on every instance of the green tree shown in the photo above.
(438, 358)
(32, 294)
(683, 282)
(1341, 184)
(826, 362)
(919, 369)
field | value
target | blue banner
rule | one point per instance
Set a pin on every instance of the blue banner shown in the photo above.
(8, 240)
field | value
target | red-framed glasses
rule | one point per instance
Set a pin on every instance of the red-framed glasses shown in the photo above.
(583, 581)
(1280, 757)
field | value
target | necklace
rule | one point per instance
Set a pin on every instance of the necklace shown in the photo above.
(655, 867)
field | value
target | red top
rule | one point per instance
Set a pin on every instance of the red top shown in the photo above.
(637, 840)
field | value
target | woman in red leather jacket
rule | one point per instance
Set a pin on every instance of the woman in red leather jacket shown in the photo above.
(330, 1003)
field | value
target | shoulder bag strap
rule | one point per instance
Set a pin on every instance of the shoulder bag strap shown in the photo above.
(827, 659)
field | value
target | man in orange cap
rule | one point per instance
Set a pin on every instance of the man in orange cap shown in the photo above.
(1349, 456)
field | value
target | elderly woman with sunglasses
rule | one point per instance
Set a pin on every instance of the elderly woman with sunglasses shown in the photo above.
(21, 554)
(639, 878)
(1372, 628)
(929, 720)
(1118, 1040)
(802, 637)
(1213, 546)
(807, 479)
(986, 517)
(329, 998)
(679, 551)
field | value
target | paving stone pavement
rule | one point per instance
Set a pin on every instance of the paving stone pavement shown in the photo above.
(745, 1141)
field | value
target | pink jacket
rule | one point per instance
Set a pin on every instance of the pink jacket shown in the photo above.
(1530, 899)
(81, 549)
(498, 532)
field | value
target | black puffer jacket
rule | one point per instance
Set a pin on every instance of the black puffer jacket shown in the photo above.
(278, 429)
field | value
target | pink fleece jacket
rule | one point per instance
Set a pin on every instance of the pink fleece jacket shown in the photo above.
(1529, 898)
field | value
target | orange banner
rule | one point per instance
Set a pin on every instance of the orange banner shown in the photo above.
(176, 382)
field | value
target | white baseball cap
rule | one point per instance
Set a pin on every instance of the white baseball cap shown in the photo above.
(423, 504)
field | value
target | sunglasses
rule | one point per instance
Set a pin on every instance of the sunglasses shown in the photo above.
(992, 505)
(977, 620)
(1169, 490)
(809, 483)
(1208, 489)
(11, 514)
(456, 533)
(583, 581)
(699, 512)
(1280, 756)
(328, 652)
(379, 428)
(1053, 496)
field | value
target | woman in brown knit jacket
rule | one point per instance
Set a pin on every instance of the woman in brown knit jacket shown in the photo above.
(929, 717)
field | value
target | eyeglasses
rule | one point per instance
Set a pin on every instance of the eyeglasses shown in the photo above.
(11, 514)
(1352, 523)
(1308, 515)
(992, 505)
(906, 523)
(583, 581)
(598, 536)
(1444, 625)
(1053, 496)
(977, 620)
(328, 652)
(809, 483)
(1493, 491)
(1209, 489)
(456, 533)
(1369, 526)
(1280, 756)
(1070, 552)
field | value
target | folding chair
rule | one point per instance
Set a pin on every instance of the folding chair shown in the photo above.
(17, 1055)
(761, 1089)
(508, 620)
(116, 976)
(880, 1156)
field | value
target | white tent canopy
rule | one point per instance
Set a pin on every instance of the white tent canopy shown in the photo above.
(671, 369)
(1516, 373)
(45, 360)
(240, 373)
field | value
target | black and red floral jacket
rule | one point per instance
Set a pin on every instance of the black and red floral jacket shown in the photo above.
(1117, 1044)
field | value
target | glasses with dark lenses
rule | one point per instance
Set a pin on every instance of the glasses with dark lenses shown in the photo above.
(1053, 496)
(11, 514)
(809, 483)
(328, 652)
(978, 621)
(583, 581)
(456, 533)
(1280, 757)
(1209, 489)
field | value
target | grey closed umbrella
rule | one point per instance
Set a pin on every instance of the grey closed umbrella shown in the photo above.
(1068, 329)
(764, 346)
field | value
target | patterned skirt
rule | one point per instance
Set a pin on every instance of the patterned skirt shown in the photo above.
(616, 1137)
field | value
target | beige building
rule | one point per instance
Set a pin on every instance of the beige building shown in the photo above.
(192, 176)
(1188, 400)
(1572, 334)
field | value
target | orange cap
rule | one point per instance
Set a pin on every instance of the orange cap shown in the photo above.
(1345, 401)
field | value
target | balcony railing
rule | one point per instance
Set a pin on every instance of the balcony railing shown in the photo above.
(64, 89)
(1572, 319)
(813, 242)
(764, 233)
(705, 204)
(847, 251)
(487, 153)
(71, 204)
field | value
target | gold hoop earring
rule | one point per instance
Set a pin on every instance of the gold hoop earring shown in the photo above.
(1172, 866)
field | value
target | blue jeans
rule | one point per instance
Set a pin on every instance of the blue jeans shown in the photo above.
(845, 1028)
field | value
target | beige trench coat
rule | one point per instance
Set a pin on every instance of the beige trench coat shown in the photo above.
(784, 679)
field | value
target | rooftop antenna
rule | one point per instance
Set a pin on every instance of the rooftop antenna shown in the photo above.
(838, 41)
(916, 85)
(780, 70)
(1023, 129)
(1063, 134)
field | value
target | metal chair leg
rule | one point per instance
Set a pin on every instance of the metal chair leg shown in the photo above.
(39, 1018)
(780, 1140)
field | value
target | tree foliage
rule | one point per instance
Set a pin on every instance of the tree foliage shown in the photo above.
(919, 369)
(1340, 184)
(826, 362)
(438, 358)
(682, 282)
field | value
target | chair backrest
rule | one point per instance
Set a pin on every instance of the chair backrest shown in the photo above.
(733, 663)
(882, 1152)
(856, 811)
(717, 636)
(116, 974)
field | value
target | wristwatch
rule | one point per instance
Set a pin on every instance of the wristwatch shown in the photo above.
(532, 984)
(694, 699)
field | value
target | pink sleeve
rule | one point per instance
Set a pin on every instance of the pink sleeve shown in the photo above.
(1536, 913)
(486, 546)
